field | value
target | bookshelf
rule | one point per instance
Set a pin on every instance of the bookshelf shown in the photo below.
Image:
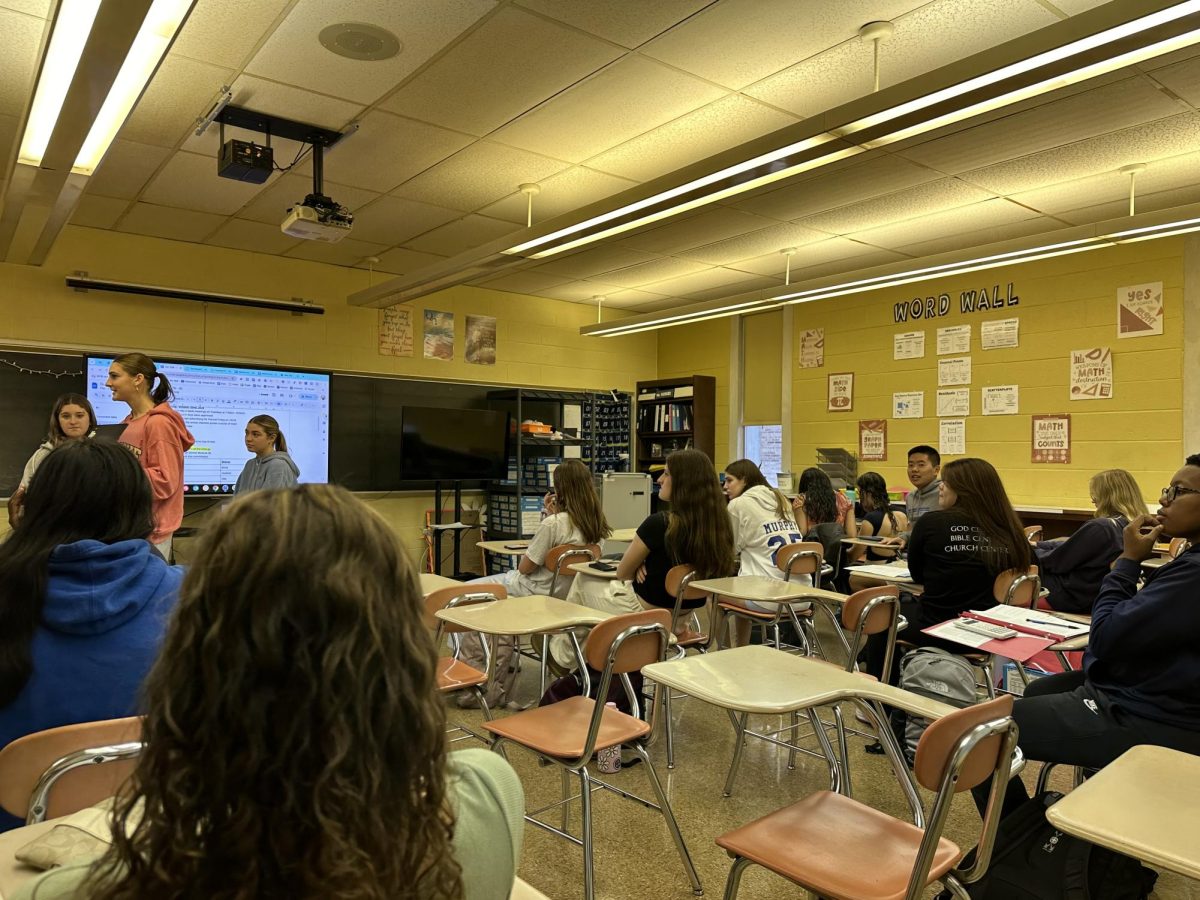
(673, 414)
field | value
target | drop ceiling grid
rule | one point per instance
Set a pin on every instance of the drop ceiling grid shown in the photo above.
(18, 63)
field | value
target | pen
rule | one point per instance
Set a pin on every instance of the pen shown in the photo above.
(1059, 624)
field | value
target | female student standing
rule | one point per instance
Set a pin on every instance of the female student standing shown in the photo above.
(956, 551)
(71, 418)
(1072, 570)
(157, 436)
(294, 736)
(271, 466)
(696, 530)
(83, 597)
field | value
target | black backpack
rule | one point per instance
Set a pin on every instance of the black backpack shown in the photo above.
(1032, 860)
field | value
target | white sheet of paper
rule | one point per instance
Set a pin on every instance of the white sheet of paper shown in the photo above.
(999, 334)
(908, 345)
(954, 370)
(952, 437)
(954, 402)
(952, 631)
(955, 339)
(908, 405)
(1000, 400)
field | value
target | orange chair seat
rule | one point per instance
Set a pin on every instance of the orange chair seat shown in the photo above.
(838, 848)
(759, 614)
(689, 638)
(560, 729)
(454, 675)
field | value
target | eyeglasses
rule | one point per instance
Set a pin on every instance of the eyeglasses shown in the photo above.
(1170, 493)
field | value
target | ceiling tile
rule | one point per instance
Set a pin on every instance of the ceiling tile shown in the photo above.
(294, 55)
(40, 8)
(734, 288)
(98, 212)
(281, 100)
(190, 181)
(631, 297)
(628, 98)
(1079, 159)
(842, 184)
(594, 261)
(720, 125)
(656, 305)
(400, 261)
(524, 282)
(126, 168)
(775, 263)
(580, 291)
(256, 237)
(271, 205)
(909, 203)
(388, 150)
(465, 234)
(223, 32)
(757, 243)
(18, 62)
(168, 222)
(481, 174)
(709, 279)
(393, 220)
(625, 22)
(1117, 209)
(714, 43)
(656, 270)
(989, 235)
(561, 193)
(8, 137)
(1075, 7)
(930, 36)
(346, 252)
(1183, 78)
(511, 63)
(847, 266)
(1176, 173)
(180, 91)
(708, 226)
(989, 213)
(1122, 104)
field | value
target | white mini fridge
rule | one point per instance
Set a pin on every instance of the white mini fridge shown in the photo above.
(625, 497)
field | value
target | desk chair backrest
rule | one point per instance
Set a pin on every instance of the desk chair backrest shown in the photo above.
(558, 558)
(1178, 546)
(458, 596)
(802, 558)
(63, 770)
(871, 611)
(1017, 588)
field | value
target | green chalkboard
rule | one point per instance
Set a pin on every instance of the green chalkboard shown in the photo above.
(29, 385)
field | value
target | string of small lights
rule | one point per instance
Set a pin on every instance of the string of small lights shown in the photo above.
(27, 371)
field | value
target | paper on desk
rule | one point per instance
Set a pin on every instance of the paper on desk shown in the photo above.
(952, 631)
(1034, 620)
(883, 571)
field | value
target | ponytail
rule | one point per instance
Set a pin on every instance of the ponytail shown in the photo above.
(162, 392)
(156, 381)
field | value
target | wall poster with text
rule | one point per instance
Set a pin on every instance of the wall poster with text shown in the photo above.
(1091, 374)
(1051, 439)
(1140, 310)
(812, 348)
(872, 439)
(395, 331)
(841, 392)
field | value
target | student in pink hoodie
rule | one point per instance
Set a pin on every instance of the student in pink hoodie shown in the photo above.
(156, 434)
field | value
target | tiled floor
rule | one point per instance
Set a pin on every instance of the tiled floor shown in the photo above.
(635, 857)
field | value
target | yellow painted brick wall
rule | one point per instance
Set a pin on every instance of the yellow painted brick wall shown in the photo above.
(701, 349)
(538, 341)
(1066, 303)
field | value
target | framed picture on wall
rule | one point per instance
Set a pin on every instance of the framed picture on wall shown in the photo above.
(1051, 441)
(872, 439)
(841, 391)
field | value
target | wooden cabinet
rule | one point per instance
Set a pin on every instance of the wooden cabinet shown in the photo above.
(674, 414)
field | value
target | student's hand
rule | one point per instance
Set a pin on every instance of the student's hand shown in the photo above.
(640, 577)
(798, 503)
(896, 540)
(1140, 536)
(550, 504)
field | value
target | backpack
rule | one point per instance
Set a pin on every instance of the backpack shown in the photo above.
(572, 686)
(1034, 861)
(939, 675)
(505, 665)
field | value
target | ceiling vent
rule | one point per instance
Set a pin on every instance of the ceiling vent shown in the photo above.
(358, 40)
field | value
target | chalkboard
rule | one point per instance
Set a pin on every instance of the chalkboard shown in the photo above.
(29, 385)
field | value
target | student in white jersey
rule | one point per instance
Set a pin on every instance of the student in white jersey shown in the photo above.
(763, 522)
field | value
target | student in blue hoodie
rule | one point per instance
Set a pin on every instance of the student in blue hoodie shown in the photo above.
(271, 466)
(1140, 682)
(84, 597)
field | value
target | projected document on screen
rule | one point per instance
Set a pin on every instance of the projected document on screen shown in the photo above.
(216, 402)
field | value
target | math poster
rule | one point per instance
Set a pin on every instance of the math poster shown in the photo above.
(841, 392)
(952, 436)
(908, 345)
(908, 405)
(1091, 374)
(1140, 310)
(395, 331)
(812, 348)
(1051, 439)
(872, 439)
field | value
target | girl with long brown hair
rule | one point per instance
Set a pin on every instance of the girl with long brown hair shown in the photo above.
(71, 418)
(696, 531)
(294, 736)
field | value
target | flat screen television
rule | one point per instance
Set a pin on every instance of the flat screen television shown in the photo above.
(453, 444)
(217, 401)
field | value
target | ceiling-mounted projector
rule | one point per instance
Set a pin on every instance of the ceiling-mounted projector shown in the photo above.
(318, 218)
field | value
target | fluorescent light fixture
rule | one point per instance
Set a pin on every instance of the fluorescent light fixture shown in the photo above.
(1150, 232)
(162, 21)
(686, 317)
(71, 29)
(546, 246)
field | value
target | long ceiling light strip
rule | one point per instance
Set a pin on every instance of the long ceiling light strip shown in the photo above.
(1058, 54)
(72, 29)
(864, 285)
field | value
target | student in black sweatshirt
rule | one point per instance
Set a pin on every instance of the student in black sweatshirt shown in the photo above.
(1140, 682)
(955, 553)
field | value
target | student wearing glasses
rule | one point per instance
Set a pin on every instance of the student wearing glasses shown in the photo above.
(1142, 667)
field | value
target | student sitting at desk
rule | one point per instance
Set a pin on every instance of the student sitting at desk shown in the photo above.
(878, 519)
(819, 516)
(1140, 682)
(295, 739)
(1073, 569)
(924, 466)
(955, 553)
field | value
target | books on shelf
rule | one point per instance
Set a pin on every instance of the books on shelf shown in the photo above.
(667, 393)
(665, 417)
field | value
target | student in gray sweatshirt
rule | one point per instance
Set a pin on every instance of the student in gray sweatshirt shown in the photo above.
(271, 466)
